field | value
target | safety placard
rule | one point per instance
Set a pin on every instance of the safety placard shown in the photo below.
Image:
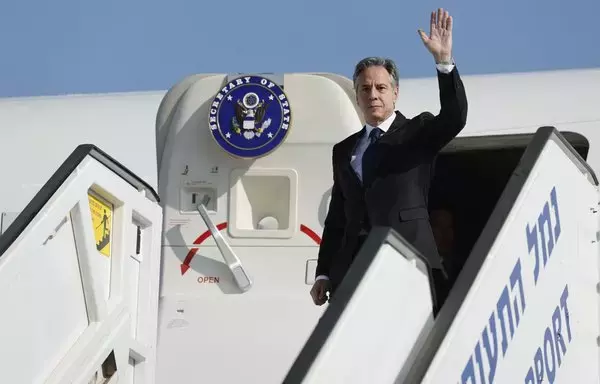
(102, 217)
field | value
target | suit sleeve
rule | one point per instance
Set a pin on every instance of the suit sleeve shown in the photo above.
(333, 229)
(437, 131)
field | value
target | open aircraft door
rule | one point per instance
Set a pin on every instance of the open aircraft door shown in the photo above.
(79, 278)
(524, 308)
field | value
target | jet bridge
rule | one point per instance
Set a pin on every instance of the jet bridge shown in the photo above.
(524, 308)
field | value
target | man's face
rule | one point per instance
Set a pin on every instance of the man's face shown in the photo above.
(375, 94)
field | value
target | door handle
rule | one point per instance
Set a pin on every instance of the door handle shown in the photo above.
(240, 275)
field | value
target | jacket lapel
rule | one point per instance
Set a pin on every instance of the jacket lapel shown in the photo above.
(397, 124)
(349, 150)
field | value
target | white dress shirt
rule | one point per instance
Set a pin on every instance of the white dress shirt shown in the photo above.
(363, 142)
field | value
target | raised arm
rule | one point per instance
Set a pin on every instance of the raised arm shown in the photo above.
(437, 131)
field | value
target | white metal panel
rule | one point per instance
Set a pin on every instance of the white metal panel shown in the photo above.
(380, 312)
(43, 305)
(375, 328)
(66, 306)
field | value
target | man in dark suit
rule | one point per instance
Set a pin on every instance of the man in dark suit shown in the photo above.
(381, 174)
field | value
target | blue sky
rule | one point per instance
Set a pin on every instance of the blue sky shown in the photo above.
(74, 46)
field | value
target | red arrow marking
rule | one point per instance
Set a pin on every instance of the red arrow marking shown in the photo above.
(310, 233)
(190, 255)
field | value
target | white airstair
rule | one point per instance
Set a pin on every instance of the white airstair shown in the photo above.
(76, 308)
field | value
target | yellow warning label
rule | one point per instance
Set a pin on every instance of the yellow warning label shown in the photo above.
(102, 216)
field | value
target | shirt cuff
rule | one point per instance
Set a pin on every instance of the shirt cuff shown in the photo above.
(445, 68)
(321, 277)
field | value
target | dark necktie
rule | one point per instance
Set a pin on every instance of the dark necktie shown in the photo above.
(369, 154)
(375, 135)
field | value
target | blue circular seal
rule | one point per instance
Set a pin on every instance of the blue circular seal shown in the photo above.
(250, 117)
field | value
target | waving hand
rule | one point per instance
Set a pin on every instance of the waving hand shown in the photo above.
(439, 41)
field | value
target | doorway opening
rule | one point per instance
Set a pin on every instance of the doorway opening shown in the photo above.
(471, 174)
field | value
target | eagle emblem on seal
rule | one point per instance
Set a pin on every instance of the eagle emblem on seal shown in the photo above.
(250, 112)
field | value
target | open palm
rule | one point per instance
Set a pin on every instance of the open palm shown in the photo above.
(439, 41)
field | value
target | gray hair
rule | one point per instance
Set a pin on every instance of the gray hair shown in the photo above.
(367, 62)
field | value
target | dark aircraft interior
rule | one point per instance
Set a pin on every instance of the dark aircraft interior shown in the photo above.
(470, 176)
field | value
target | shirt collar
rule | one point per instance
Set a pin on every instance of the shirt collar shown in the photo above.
(384, 126)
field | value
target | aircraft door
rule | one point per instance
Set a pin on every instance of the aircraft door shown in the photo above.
(243, 178)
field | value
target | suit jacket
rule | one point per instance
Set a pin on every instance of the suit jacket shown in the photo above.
(394, 191)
